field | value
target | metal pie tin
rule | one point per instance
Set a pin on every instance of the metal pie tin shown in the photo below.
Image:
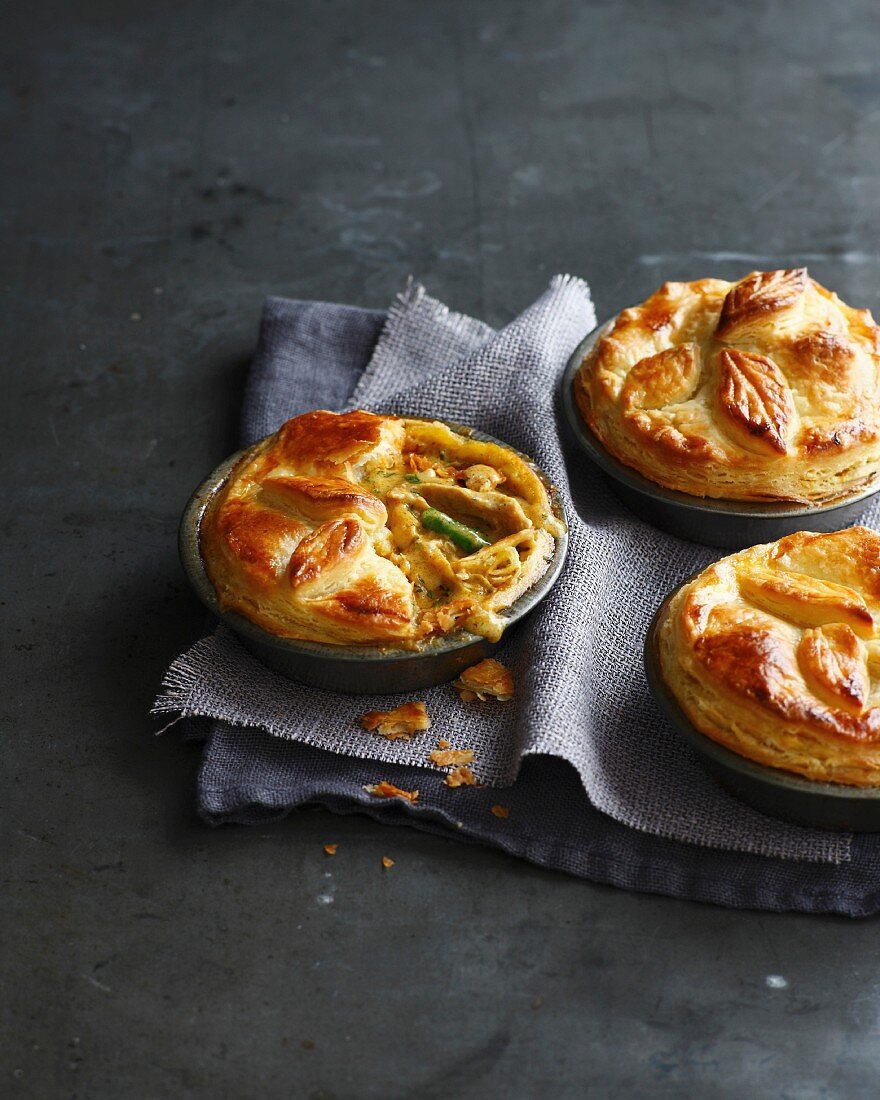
(352, 669)
(772, 791)
(731, 524)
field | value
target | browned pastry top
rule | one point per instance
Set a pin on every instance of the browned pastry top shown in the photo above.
(765, 389)
(774, 652)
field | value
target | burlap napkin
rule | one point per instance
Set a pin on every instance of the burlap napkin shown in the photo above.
(581, 694)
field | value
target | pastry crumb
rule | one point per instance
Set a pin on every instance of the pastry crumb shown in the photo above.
(442, 743)
(501, 811)
(330, 849)
(387, 862)
(461, 777)
(400, 724)
(445, 758)
(488, 679)
(384, 789)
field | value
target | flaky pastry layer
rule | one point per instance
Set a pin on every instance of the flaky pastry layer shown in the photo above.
(353, 528)
(774, 652)
(765, 389)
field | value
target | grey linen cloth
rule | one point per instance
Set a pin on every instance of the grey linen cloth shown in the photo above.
(635, 809)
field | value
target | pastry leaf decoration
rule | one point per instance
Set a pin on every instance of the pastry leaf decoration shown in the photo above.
(667, 378)
(754, 401)
(805, 600)
(758, 294)
(832, 661)
(327, 546)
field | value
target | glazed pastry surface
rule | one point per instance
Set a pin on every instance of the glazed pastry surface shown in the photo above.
(353, 528)
(765, 389)
(774, 652)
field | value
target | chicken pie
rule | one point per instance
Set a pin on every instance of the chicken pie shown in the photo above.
(774, 653)
(764, 390)
(354, 528)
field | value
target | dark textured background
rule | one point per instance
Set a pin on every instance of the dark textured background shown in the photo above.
(165, 167)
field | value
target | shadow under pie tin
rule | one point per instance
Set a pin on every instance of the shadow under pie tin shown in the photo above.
(357, 669)
(773, 791)
(730, 524)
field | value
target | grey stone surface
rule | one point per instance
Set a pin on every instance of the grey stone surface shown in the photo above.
(168, 165)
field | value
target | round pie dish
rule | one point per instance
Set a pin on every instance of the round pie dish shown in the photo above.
(711, 438)
(357, 667)
(785, 715)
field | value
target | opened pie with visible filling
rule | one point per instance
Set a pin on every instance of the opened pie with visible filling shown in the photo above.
(358, 528)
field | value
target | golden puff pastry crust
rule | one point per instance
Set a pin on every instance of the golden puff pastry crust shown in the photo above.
(774, 652)
(766, 389)
(354, 528)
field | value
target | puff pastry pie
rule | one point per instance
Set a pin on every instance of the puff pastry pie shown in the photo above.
(357, 528)
(774, 652)
(765, 389)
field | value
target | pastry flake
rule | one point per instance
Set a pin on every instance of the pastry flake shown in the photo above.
(488, 679)
(461, 777)
(765, 389)
(400, 724)
(384, 789)
(782, 665)
(357, 529)
(444, 758)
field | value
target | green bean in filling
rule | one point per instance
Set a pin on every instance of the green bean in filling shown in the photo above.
(465, 538)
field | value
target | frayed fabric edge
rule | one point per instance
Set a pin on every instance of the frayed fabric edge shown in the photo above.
(415, 295)
(182, 679)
